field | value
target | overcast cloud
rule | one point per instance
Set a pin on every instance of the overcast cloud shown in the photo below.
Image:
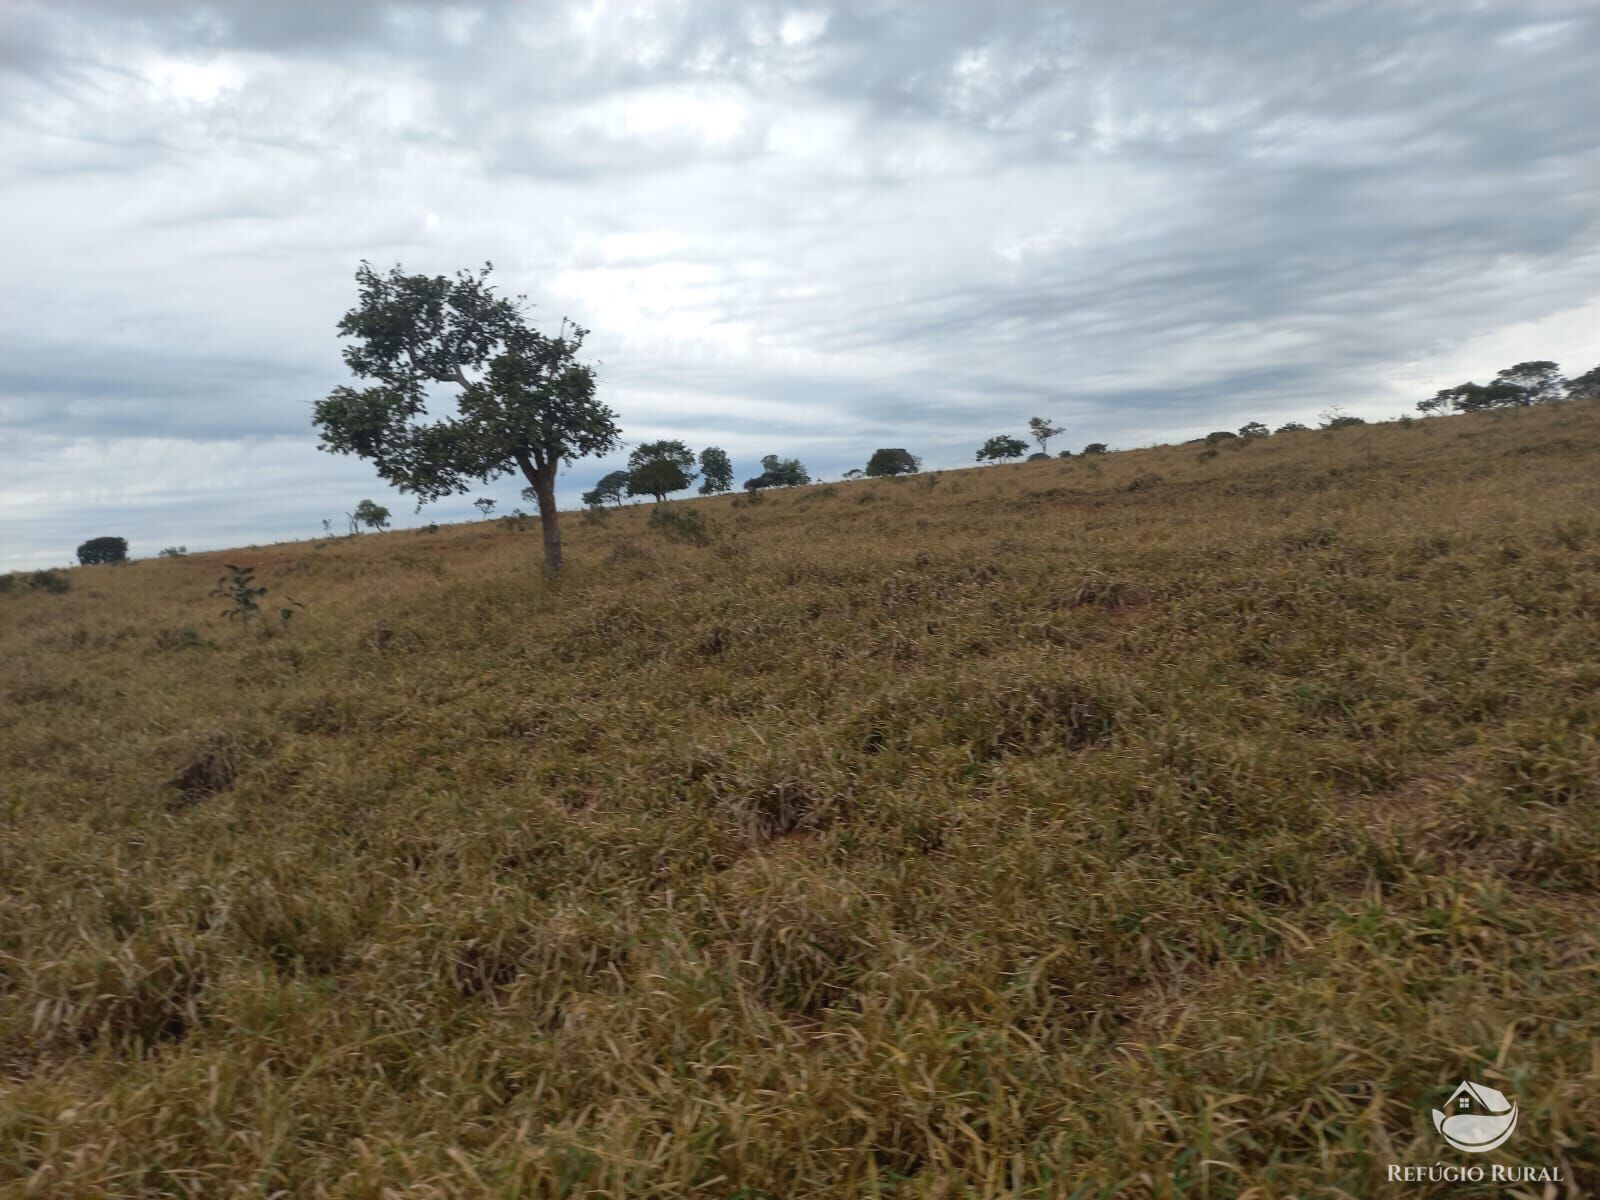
(808, 230)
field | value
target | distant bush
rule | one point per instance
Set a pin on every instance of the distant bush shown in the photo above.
(173, 552)
(48, 581)
(685, 525)
(1254, 429)
(1336, 419)
(1293, 427)
(1095, 448)
(103, 550)
(1221, 435)
(1038, 456)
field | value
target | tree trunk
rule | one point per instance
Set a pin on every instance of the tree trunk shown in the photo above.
(544, 492)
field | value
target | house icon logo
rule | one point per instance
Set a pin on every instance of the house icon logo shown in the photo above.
(1476, 1118)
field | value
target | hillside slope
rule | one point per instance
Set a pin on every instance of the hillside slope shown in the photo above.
(1160, 824)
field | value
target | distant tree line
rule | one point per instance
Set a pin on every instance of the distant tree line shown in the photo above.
(1523, 385)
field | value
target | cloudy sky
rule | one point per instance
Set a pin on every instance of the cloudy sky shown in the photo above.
(808, 230)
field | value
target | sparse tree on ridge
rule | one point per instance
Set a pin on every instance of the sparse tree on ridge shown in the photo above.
(715, 470)
(893, 461)
(660, 468)
(484, 505)
(1042, 429)
(1293, 427)
(525, 403)
(1254, 429)
(1002, 447)
(853, 474)
(1095, 448)
(610, 490)
(373, 516)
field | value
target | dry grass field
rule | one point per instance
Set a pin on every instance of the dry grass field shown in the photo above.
(1158, 824)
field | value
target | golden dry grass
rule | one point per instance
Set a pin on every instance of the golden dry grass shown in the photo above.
(1157, 825)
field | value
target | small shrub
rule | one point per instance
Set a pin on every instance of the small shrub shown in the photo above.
(238, 588)
(179, 639)
(48, 581)
(681, 526)
(173, 552)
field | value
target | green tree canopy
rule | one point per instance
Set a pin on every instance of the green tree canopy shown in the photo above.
(778, 472)
(1001, 447)
(1536, 382)
(1254, 429)
(660, 468)
(893, 461)
(103, 550)
(373, 516)
(610, 490)
(1095, 448)
(523, 401)
(715, 470)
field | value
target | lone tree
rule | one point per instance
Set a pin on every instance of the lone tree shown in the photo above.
(1254, 429)
(893, 462)
(716, 471)
(523, 400)
(373, 516)
(1537, 382)
(103, 550)
(657, 468)
(610, 490)
(1002, 447)
(484, 504)
(1041, 429)
(1095, 448)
